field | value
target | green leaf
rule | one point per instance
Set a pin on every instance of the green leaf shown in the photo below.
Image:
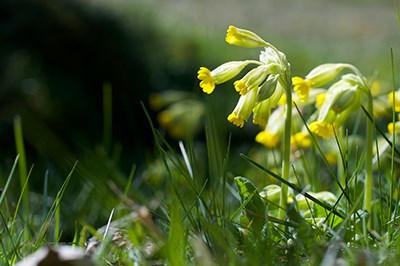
(254, 206)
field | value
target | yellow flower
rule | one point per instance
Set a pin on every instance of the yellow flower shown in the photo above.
(319, 76)
(261, 113)
(324, 73)
(240, 86)
(332, 157)
(164, 118)
(236, 120)
(282, 100)
(393, 127)
(301, 87)
(320, 100)
(268, 139)
(252, 79)
(208, 79)
(322, 129)
(207, 82)
(301, 140)
(244, 38)
(243, 108)
(396, 103)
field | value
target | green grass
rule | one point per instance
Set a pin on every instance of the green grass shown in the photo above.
(216, 218)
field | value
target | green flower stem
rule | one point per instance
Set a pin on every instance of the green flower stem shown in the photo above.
(368, 164)
(286, 150)
(369, 134)
(287, 134)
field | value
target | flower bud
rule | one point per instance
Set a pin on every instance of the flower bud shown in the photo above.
(345, 99)
(243, 108)
(208, 79)
(252, 79)
(244, 38)
(324, 73)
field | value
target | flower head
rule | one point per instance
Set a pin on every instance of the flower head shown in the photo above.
(319, 76)
(322, 129)
(324, 73)
(261, 113)
(207, 82)
(208, 79)
(301, 140)
(235, 119)
(394, 100)
(301, 87)
(319, 101)
(243, 108)
(252, 79)
(244, 38)
(341, 100)
(262, 110)
(268, 139)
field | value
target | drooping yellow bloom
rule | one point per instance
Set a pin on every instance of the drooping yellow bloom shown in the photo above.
(324, 73)
(208, 79)
(252, 79)
(301, 140)
(322, 129)
(236, 120)
(243, 108)
(271, 136)
(207, 82)
(240, 86)
(268, 139)
(319, 76)
(394, 102)
(301, 87)
(244, 38)
(320, 100)
(261, 113)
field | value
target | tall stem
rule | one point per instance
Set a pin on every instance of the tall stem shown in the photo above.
(286, 149)
(368, 163)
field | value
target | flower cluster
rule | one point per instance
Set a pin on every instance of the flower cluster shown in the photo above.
(262, 92)
(340, 100)
(260, 89)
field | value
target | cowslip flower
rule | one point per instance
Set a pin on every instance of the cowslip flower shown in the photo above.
(208, 79)
(393, 127)
(182, 119)
(322, 129)
(253, 78)
(394, 100)
(243, 108)
(301, 140)
(268, 139)
(271, 136)
(342, 99)
(319, 76)
(262, 110)
(244, 38)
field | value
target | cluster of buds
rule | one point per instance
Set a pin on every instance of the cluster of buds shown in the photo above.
(340, 100)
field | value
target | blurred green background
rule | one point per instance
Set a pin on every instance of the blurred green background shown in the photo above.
(56, 56)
